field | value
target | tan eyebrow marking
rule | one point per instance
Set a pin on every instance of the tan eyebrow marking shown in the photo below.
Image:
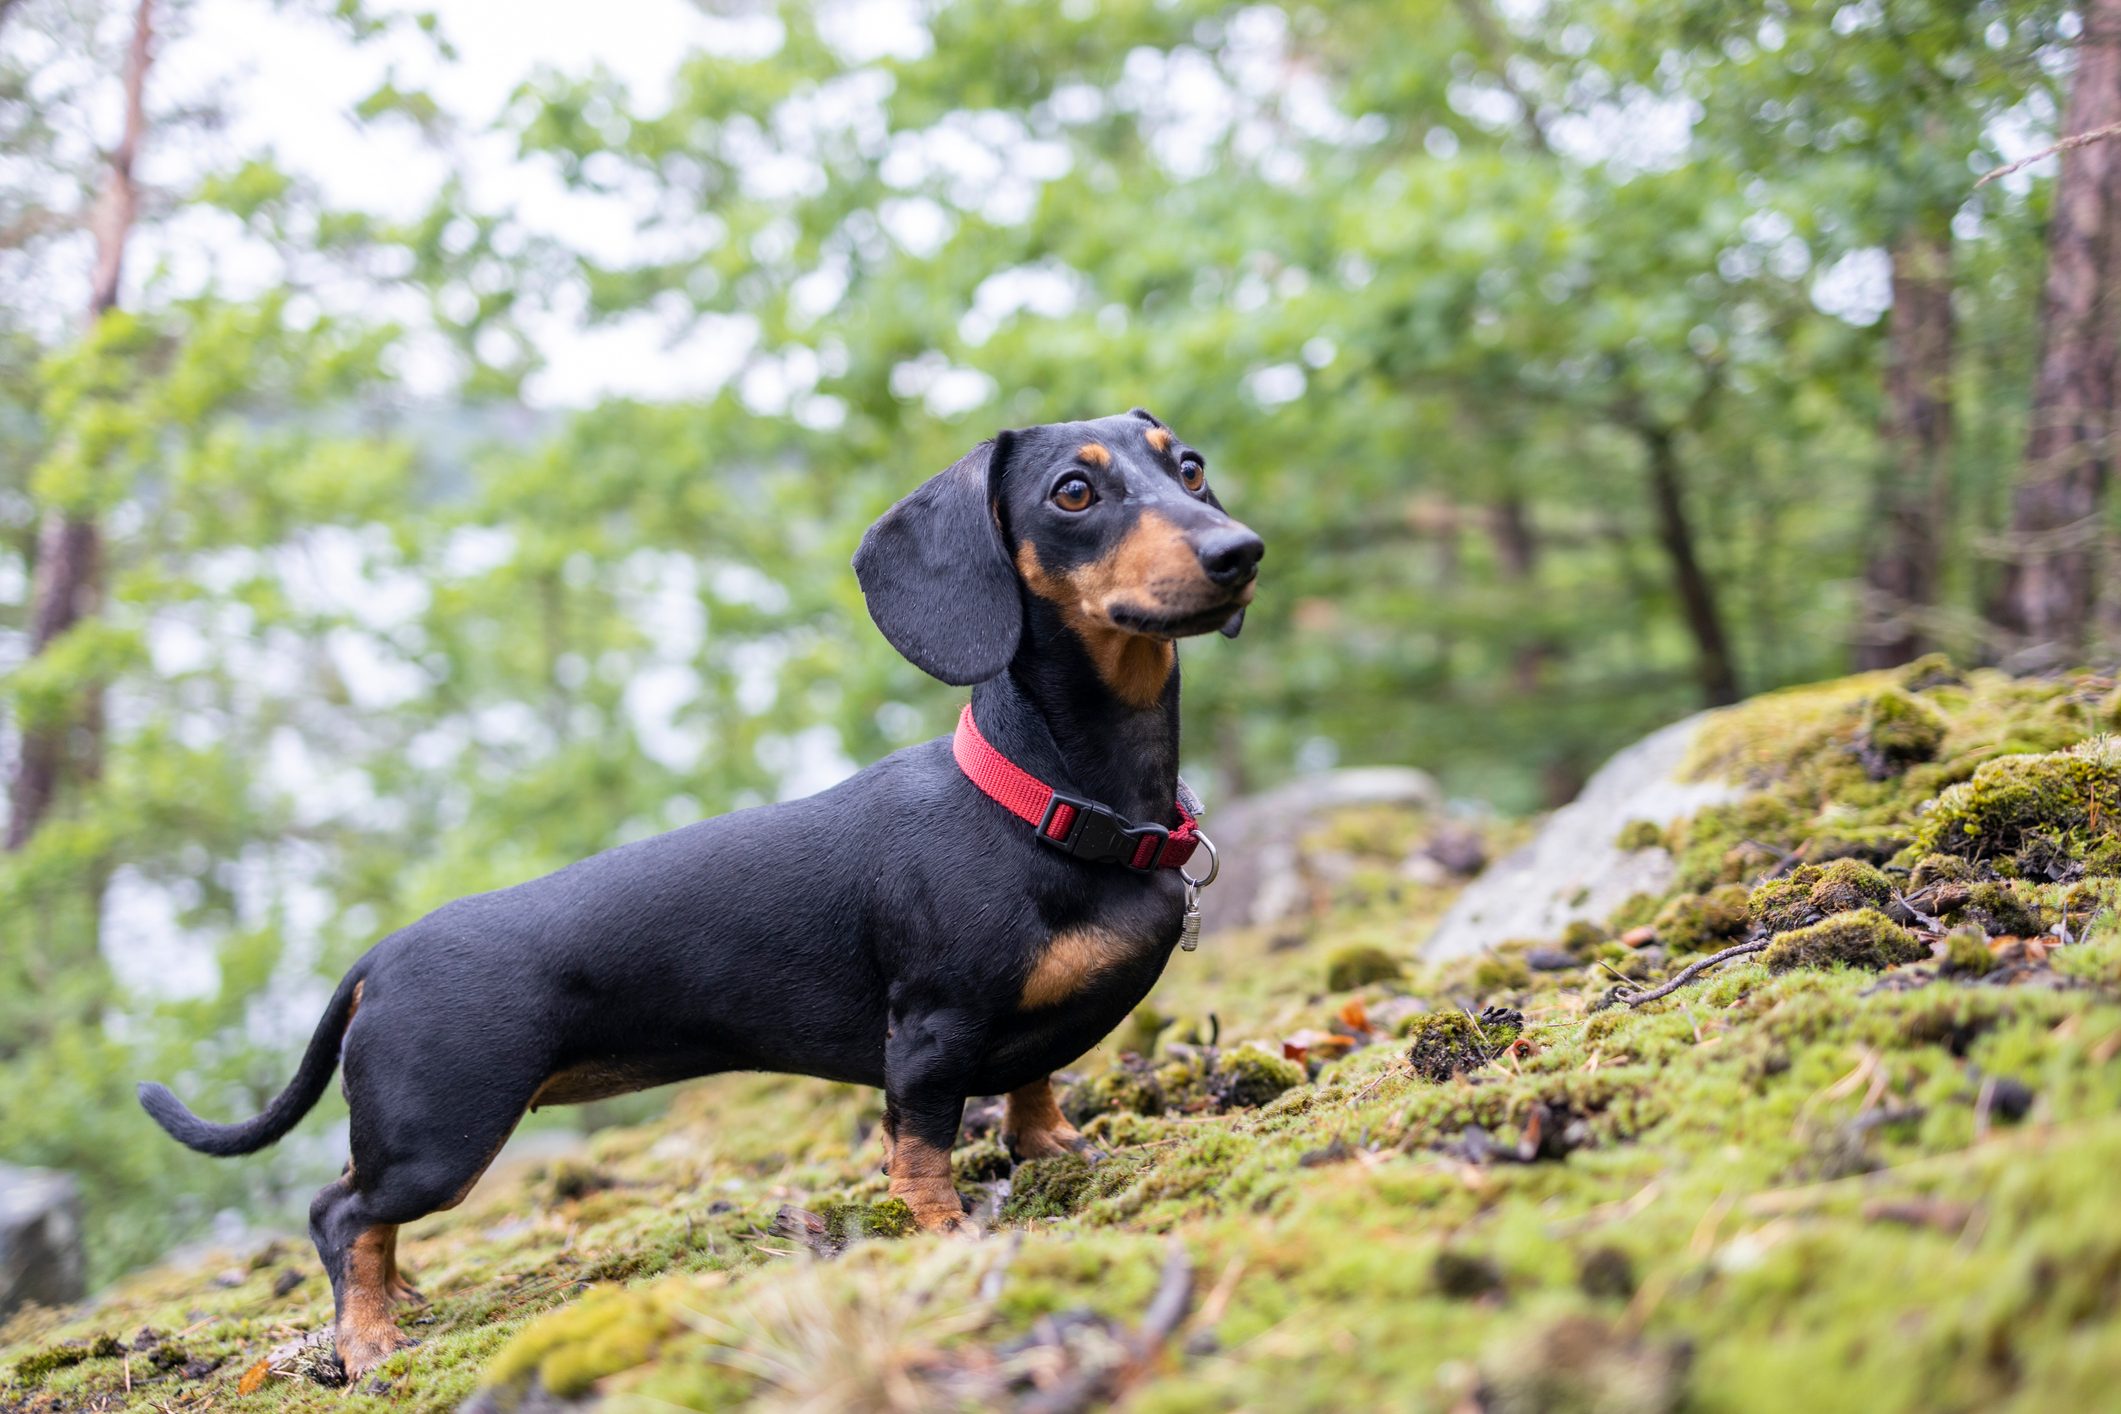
(1159, 438)
(1093, 453)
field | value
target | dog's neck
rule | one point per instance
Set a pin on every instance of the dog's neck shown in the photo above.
(1055, 717)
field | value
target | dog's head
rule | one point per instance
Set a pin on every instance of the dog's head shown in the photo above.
(1110, 522)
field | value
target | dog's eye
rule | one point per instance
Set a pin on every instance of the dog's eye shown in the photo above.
(1192, 475)
(1074, 494)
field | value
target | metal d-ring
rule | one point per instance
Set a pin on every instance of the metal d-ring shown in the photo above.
(1215, 864)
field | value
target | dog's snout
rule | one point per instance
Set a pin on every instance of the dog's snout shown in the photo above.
(1230, 555)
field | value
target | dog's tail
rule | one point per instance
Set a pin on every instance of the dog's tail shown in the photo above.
(286, 1109)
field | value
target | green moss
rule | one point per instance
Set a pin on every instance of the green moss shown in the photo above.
(1636, 912)
(1446, 1043)
(1582, 938)
(1122, 1089)
(1703, 922)
(2072, 796)
(1048, 1188)
(981, 1161)
(1359, 966)
(854, 1221)
(1144, 1025)
(1899, 730)
(32, 1368)
(1849, 884)
(1498, 972)
(1580, 1363)
(1183, 1080)
(2002, 907)
(1641, 834)
(1864, 939)
(608, 1330)
(1248, 1077)
(1783, 904)
(1966, 954)
(1940, 869)
(1931, 670)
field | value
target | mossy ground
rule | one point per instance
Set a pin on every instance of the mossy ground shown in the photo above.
(1826, 1187)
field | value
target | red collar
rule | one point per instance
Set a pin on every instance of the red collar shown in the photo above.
(1070, 823)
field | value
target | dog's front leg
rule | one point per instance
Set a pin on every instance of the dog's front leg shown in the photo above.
(926, 1061)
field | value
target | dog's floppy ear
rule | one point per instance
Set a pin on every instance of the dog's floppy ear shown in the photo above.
(938, 582)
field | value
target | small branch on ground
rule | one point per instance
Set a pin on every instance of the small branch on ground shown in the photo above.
(1091, 1388)
(1692, 971)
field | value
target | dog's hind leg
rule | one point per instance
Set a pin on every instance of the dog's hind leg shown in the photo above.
(355, 1252)
(395, 1282)
(421, 1138)
(1033, 1126)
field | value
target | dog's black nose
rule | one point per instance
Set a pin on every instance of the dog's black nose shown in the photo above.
(1230, 555)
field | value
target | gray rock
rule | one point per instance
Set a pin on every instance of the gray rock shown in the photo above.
(41, 1258)
(1573, 868)
(1263, 878)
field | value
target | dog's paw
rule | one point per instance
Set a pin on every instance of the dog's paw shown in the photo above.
(362, 1350)
(1049, 1144)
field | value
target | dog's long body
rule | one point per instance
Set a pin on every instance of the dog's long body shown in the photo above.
(898, 930)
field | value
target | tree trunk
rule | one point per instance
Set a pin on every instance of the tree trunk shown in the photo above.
(1697, 597)
(1914, 488)
(2045, 603)
(69, 574)
(1517, 552)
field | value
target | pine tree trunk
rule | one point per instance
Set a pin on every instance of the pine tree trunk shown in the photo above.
(69, 574)
(2050, 586)
(1914, 489)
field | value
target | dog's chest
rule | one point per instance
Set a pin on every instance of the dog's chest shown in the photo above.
(1110, 961)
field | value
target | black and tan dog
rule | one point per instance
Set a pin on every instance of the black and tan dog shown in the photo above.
(901, 929)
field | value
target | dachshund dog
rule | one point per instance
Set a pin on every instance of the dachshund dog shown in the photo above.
(959, 919)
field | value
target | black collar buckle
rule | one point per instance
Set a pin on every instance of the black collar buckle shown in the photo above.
(1101, 835)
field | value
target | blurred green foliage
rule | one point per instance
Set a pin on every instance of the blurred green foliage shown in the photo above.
(1487, 318)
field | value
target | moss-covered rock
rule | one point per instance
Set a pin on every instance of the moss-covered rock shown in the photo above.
(1635, 912)
(1848, 884)
(1249, 1076)
(1940, 869)
(1864, 939)
(1899, 731)
(2072, 796)
(1641, 834)
(1359, 966)
(1930, 671)
(1446, 1043)
(1780, 905)
(1703, 922)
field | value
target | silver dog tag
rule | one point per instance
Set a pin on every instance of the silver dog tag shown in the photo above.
(1189, 923)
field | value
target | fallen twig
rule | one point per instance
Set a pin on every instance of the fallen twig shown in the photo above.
(1101, 1385)
(1692, 971)
(2067, 144)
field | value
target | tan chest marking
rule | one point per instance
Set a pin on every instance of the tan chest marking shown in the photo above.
(1073, 960)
